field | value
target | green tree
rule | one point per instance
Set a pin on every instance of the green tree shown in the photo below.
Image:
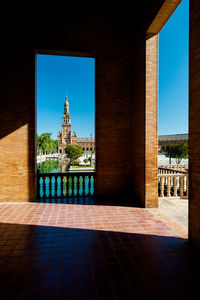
(86, 160)
(45, 139)
(169, 152)
(179, 151)
(56, 145)
(38, 145)
(45, 144)
(73, 152)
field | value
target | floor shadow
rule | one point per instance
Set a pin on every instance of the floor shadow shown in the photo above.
(48, 262)
(120, 201)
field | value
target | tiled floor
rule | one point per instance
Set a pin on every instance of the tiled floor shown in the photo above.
(176, 208)
(85, 251)
(174, 212)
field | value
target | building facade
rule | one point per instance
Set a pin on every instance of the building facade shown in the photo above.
(65, 137)
(172, 139)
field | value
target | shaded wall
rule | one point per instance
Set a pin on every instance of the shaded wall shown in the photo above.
(17, 125)
(194, 123)
(117, 41)
(138, 121)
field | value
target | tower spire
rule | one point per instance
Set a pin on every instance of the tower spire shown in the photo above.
(66, 106)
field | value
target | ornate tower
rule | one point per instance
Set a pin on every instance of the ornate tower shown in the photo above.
(66, 125)
(65, 137)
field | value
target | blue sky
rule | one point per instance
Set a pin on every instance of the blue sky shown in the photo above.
(58, 76)
(173, 72)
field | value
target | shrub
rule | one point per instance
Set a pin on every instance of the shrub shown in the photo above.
(75, 163)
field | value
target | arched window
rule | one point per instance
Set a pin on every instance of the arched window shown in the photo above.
(87, 149)
(83, 149)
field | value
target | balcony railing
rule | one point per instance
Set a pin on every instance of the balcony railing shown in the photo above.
(173, 185)
(173, 181)
(64, 185)
(170, 169)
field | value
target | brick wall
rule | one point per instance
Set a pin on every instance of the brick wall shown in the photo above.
(145, 105)
(194, 123)
(144, 124)
(123, 161)
(108, 43)
(17, 129)
(117, 41)
(151, 123)
(138, 122)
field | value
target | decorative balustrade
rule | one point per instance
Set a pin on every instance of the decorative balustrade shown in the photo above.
(173, 185)
(168, 170)
(174, 167)
(64, 185)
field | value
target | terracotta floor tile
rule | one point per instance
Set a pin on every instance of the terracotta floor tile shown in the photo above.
(76, 251)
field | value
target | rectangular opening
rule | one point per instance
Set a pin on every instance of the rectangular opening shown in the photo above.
(167, 78)
(173, 159)
(65, 125)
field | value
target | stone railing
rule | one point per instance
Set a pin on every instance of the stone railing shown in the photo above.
(81, 184)
(64, 185)
(174, 167)
(43, 157)
(173, 185)
(170, 170)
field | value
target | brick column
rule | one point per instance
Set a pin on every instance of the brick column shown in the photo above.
(194, 123)
(151, 123)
